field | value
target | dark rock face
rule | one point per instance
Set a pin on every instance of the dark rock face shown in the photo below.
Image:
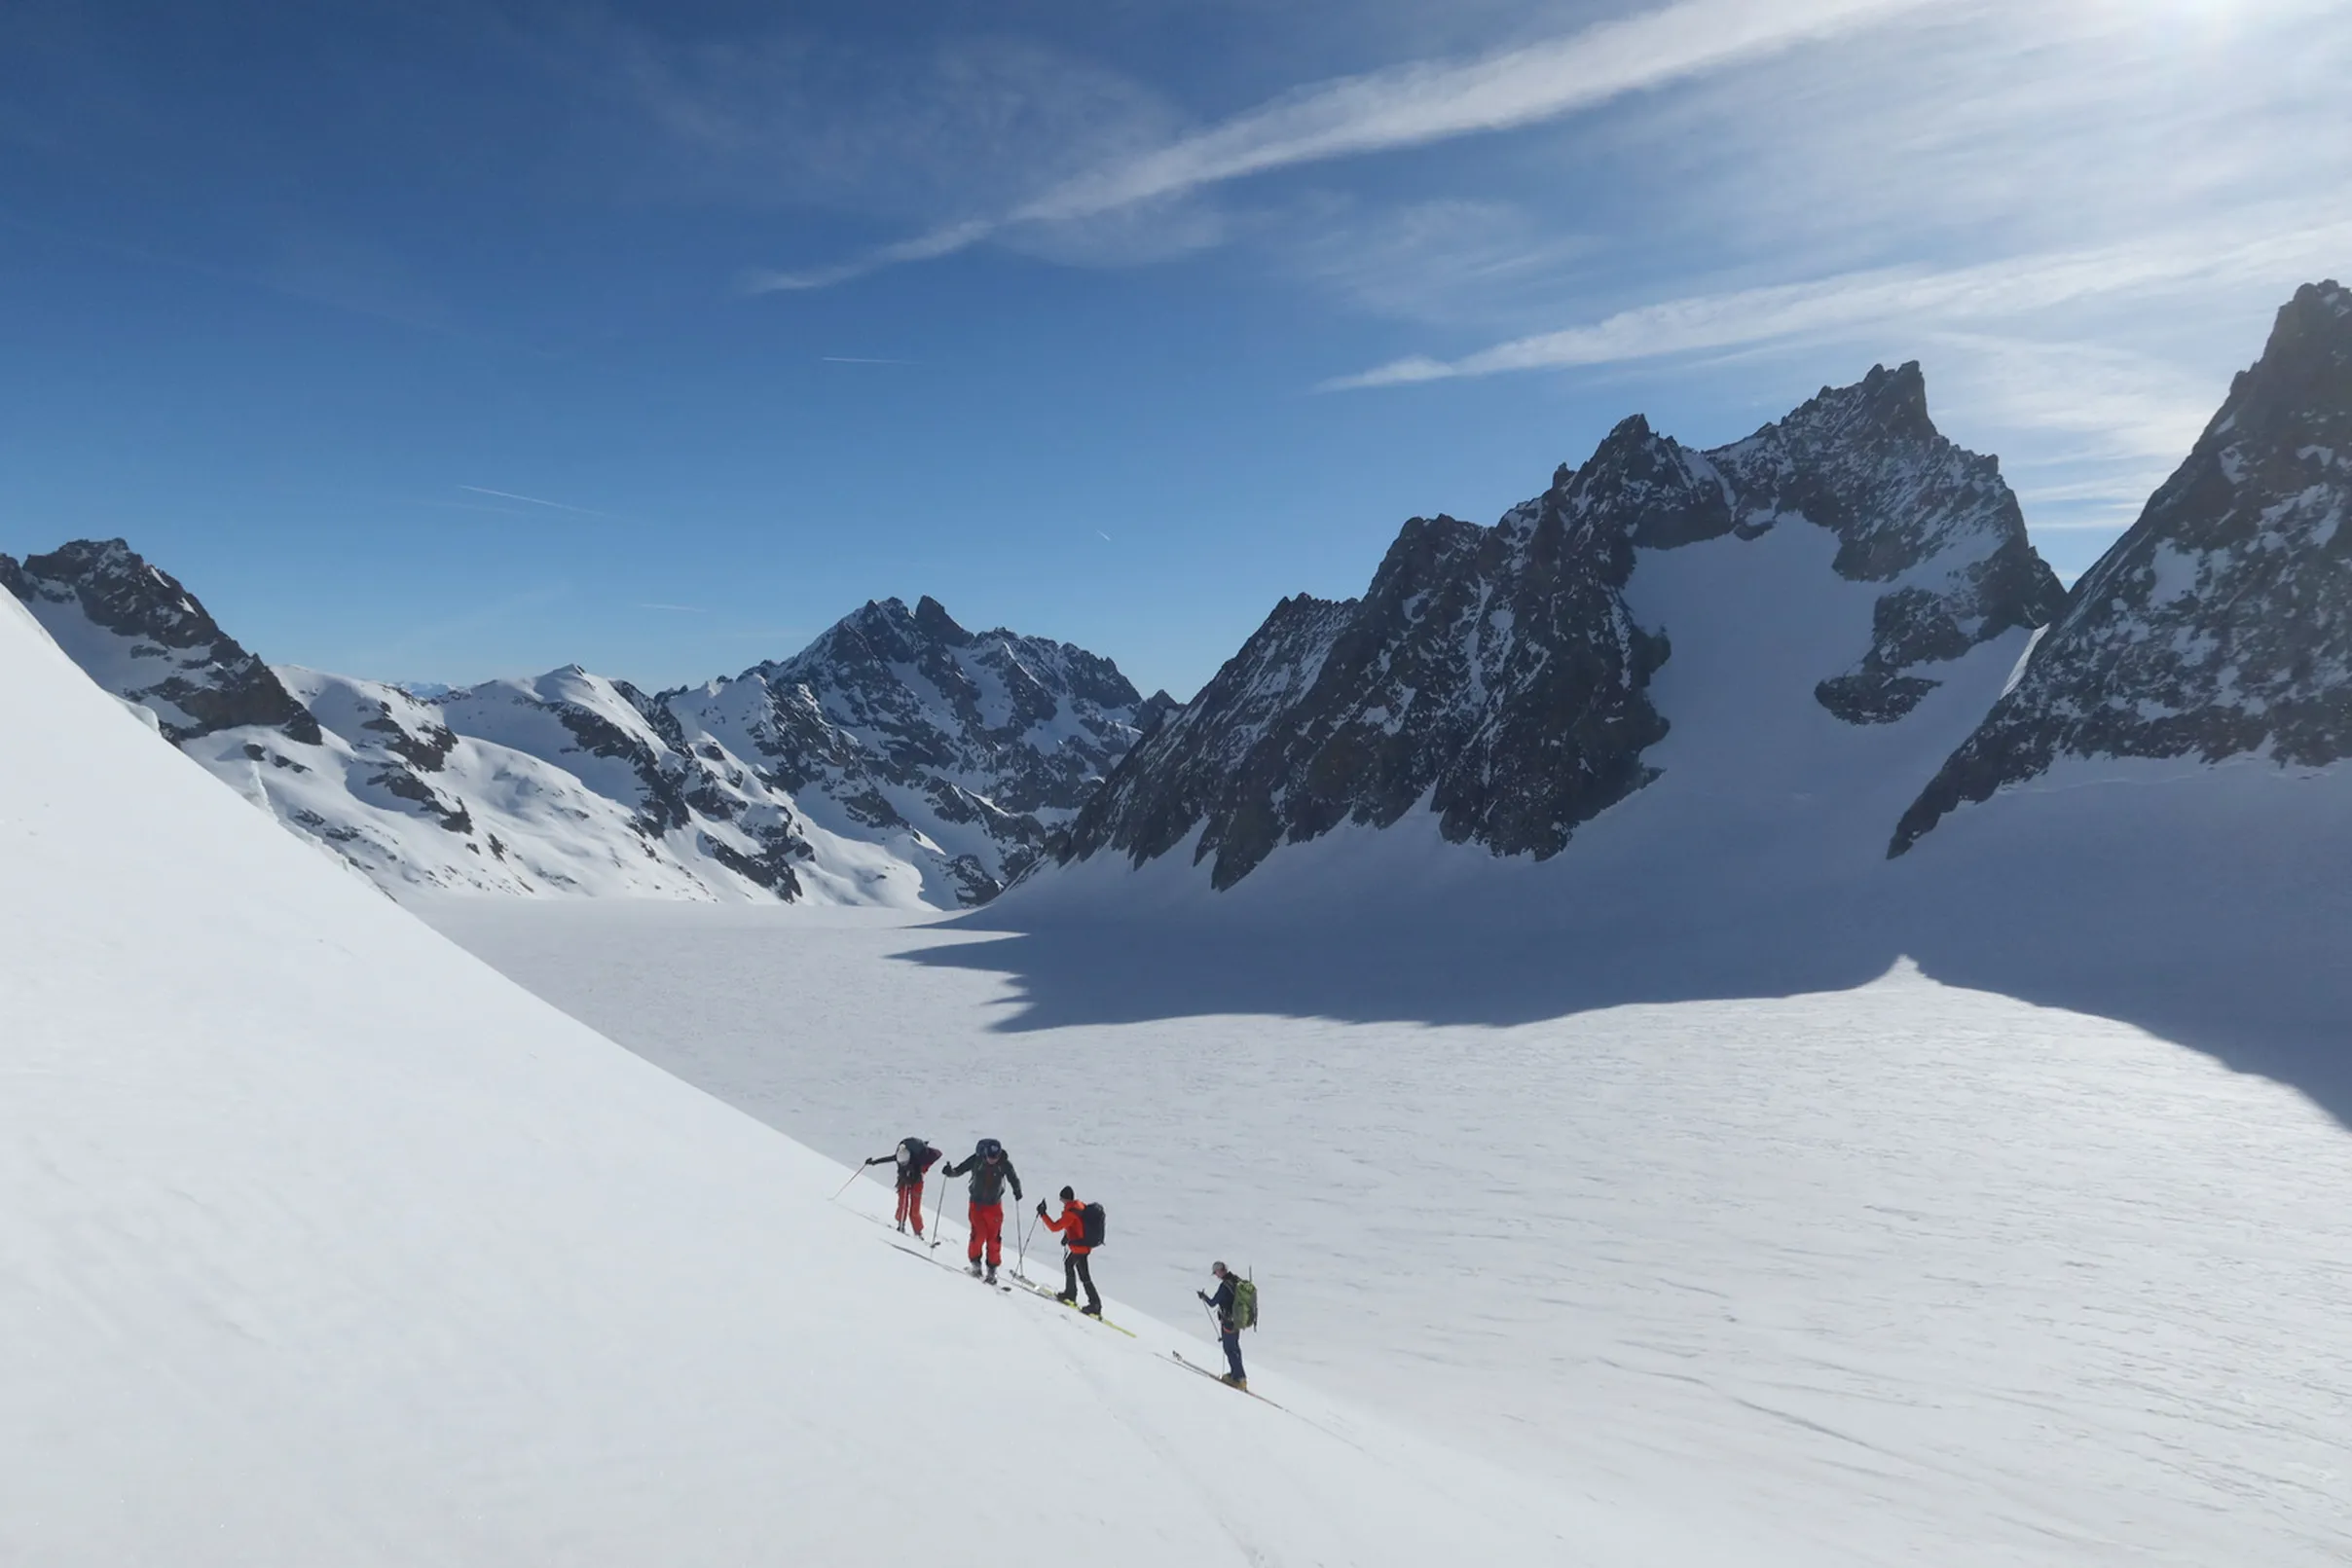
(146, 638)
(967, 748)
(2220, 624)
(1495, 670)
(1499, 673)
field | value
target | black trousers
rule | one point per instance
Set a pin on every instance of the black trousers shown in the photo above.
(1075, 1273)
(1230, 1339)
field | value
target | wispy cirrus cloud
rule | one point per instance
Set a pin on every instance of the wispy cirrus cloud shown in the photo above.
(1406, 106)
(1993, 290)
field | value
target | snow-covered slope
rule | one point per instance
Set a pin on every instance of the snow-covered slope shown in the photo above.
(2220, 626)
(1797, 617)
(392, 786)
(935, 762)
(325, 1245)
(962, 752)
(1886, 1274)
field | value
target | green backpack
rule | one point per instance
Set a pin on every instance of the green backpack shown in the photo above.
(1245, 1303)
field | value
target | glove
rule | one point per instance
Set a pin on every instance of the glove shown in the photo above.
(1204, 1297)
(1041, 1208)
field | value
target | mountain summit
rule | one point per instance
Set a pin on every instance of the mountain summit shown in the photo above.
(960, 750)
(1509, 678)
(144, 637)
(2220, 624)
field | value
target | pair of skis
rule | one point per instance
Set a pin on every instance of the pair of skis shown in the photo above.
(950, 1267)
(1055, 1296)
(1219, 1379)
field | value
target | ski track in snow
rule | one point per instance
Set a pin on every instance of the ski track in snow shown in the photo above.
(1900, 1273)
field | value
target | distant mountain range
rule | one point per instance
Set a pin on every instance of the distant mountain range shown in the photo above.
(1799, 652)
(899, 759)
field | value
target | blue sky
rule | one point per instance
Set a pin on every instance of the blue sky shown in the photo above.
(441, 341)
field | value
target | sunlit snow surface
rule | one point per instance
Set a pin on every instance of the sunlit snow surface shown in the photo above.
(1896, 1273)
(322, 1244)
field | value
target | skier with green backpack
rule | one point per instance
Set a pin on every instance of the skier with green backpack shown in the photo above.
(1235, 1304)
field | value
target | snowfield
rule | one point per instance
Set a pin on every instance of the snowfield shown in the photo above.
(321, 1243)
(1894, 1272)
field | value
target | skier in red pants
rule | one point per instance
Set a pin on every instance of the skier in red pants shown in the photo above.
(991, 1168)
(913, 1157)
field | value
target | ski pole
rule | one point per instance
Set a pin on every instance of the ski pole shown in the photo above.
(852, 1181)
(1020, 1266)
(940, 1212)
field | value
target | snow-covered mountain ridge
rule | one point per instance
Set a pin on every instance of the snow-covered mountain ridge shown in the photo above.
(964, 752)
(1507, 678)
(2220, 626)
(898, 760)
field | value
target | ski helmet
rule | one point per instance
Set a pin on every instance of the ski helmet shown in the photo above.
(990, 1148)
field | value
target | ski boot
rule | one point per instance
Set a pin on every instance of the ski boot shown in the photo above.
(902, 1228)
(1092, 1309)
(973, 1268)
(992, 1273)
(1066, 1297)
(1241, 1383)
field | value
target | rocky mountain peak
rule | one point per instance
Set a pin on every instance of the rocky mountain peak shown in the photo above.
(1500, 677)
(1647, 486)
(146, 638)
(2300, 382)
(2220, 624)
(1889, 405)
(967, 750)
(934, 621)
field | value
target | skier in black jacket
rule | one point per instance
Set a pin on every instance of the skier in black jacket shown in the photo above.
(991, 1168)
(913, 1157)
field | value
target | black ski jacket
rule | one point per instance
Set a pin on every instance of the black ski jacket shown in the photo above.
(910, 1174)
(987, 1182)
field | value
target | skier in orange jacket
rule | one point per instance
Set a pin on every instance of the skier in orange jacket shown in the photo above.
(1072, 1227)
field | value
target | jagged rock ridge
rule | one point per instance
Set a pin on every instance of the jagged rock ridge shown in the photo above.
(966, 752)
(2220, 624)
(1501, 674)
(144, 637)
(939, 761)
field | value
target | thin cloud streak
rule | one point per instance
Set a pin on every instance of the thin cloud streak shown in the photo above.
(1408, 106)
(560, 506)
(1988, 291)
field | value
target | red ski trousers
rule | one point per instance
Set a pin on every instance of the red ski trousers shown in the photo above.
(988, 1228)
(911, 1206)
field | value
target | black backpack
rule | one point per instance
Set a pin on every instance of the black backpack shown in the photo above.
(919, 1155)
(1091, 1228)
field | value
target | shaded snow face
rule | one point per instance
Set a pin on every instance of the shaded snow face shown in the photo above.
(1504, 677)
(963, 752)
(2221, 625)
